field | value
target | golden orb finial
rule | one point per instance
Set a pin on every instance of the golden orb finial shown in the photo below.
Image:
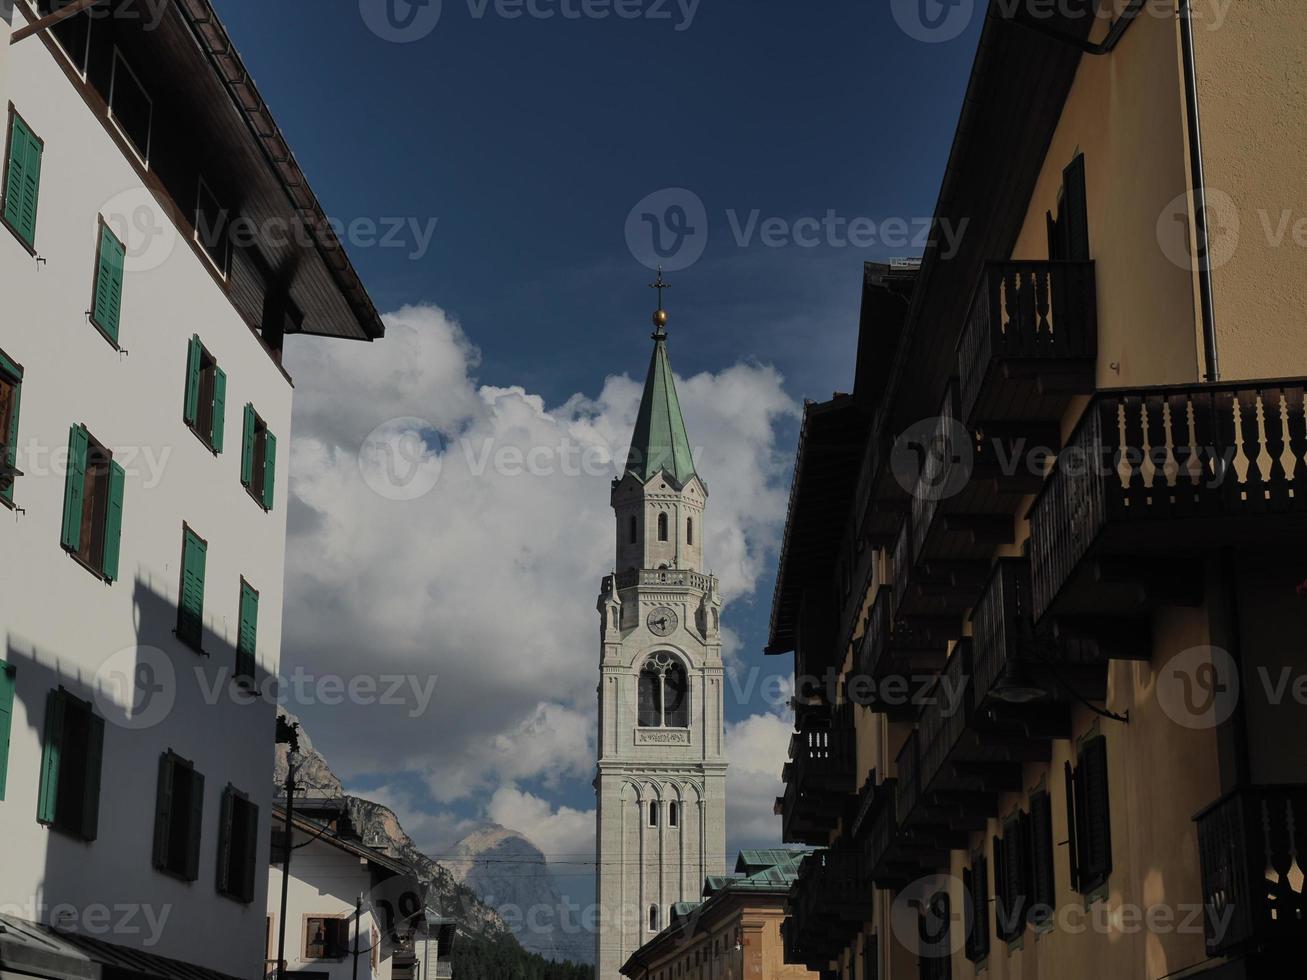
(660, 315)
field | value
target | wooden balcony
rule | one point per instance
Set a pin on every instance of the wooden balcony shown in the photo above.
(902, 648)
(820, 776)
(1030, 343)
(1252, 844)
(1153, 475)
(830, 902)
(879, 500)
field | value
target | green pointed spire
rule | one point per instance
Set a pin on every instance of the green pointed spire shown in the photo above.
(660, 442)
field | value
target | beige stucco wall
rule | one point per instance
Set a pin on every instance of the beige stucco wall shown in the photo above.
(1125, 112)
(756, 927)
(1252, 86)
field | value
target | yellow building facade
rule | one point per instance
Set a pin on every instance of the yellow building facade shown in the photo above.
(1043, 573)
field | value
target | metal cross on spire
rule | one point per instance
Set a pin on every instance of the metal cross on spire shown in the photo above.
(660, 315)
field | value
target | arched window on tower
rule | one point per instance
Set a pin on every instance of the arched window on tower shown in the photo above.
(651, 698)
(653, 918)
(676, 697)
(653, 813)
(673, 815)
(663, 694)
(662, 527)
(689, 530)
(634, 530)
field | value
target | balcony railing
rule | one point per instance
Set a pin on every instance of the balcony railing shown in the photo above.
(908, 767)
(819, 777)
(1169, 470)
(945, 719)
(1031, 340)
(678, 577)
(830, 901)
(1252, 846)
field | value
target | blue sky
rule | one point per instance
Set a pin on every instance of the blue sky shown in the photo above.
(529, 141)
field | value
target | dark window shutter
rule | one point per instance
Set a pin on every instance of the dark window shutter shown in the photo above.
(247, 634)
(1073, 844)
(247, 447)
(163, 810)
(106, 309)
(113, 521)
(11, 437)
(218, 425)
(191, 408)
(1042, 882)
(976, 881)
(91, 788)
(1075, 214)
(18, 135)
(51, 753)
(23, 183)
(251, 831)
(224, 841)
(74, 488)
(7, 685)
(269, 468)
(190, 607)
(194, 826)
(1097, 830)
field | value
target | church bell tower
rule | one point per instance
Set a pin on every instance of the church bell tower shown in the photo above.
(661, 780)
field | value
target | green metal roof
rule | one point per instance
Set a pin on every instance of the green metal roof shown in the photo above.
(752, 861)
(660, 442)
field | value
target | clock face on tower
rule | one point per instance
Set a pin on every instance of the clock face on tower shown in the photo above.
(662, 621)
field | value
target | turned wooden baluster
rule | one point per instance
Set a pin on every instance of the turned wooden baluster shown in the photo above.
(1273, 425)
(1297, 443)
(1255, 486)
(1130, 455)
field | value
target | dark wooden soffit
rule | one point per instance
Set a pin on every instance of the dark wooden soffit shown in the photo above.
(252, 168)
(1018, 87)
(826, 470)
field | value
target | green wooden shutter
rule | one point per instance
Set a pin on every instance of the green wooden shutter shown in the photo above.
(247, 636)
(1073, 844)
(191, 409)
(194, 826)
(163, 810)
(190, 606)
(224, 841)
(218, 425)
(74, 488)
(51, 751)
(107, 308)
(7, 684)
(11, 437)
(1098, 825)
(23, 184)
(269, 467)
(1076, 211)
(247, 448)
(18, 134)
(91, 788)
(113, 521)
(251, 828)
(1042, 883)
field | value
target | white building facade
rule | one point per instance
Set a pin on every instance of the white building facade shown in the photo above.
(147, 292)
(661, 783)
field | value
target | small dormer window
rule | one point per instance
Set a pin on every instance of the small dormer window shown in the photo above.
(662, 527)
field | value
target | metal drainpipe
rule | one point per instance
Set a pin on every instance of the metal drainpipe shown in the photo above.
(1202, 243)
